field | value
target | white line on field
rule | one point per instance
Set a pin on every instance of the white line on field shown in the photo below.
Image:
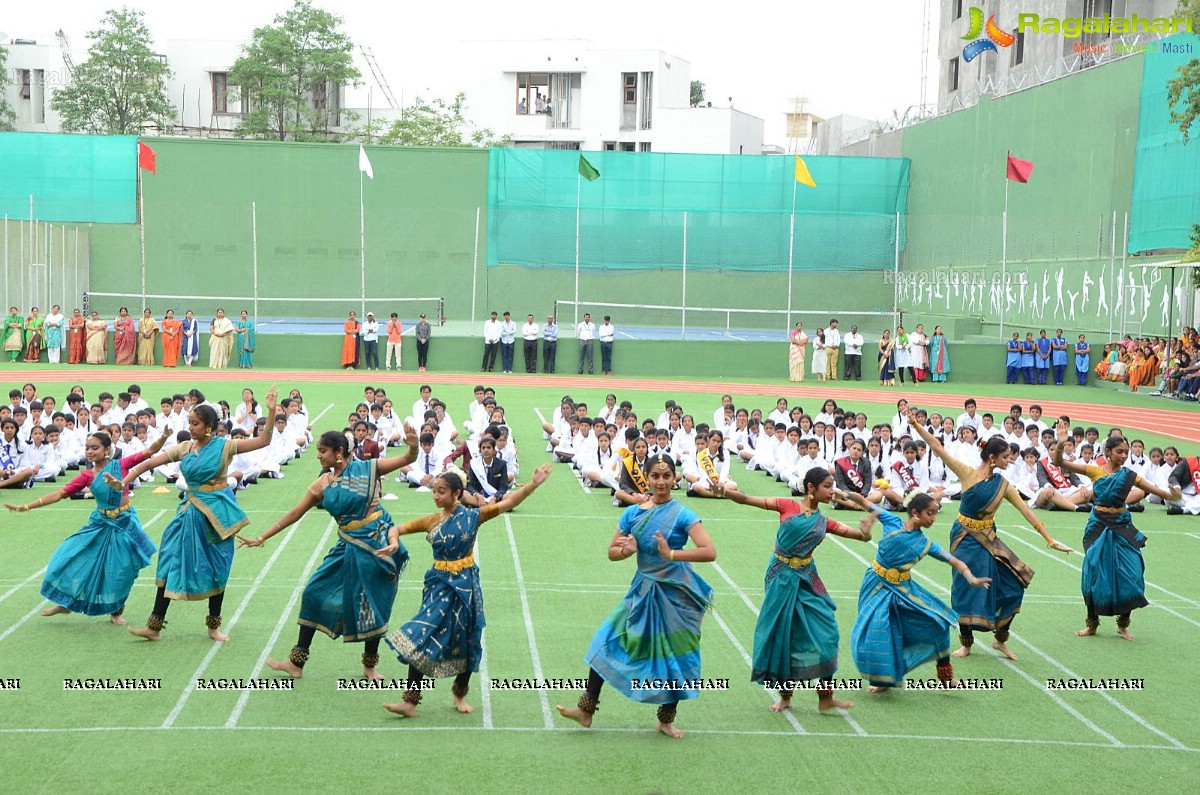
(485, 692)
(547, 720)
(787, 713)
(244, 698)
(212, 652)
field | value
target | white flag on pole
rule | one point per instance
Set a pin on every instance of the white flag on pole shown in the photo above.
(364, 163)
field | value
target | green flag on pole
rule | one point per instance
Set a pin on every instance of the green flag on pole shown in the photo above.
(587, 170)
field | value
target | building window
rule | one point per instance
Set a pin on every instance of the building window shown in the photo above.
(327, 99)
(220, 92)
(629, 86)
(956, 9)
(953, 81)
(1018, 50)
(627, 146)
(533, 93)
(610, 146)
(24, 78)
(644, 146)
(646, 116)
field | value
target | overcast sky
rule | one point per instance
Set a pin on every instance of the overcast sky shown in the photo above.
(862, 58)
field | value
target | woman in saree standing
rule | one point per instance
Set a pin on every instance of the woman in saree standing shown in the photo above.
(190, 347)
(654, 633)
(93, 570)
(1114, 581)
(445, 637)
(246, 341)
(351, 593)
(939, 356)
(900, 624)
(350, 342)
(197, 546)
(97, 340)
(54, 334)
(887, 359)
(76, 338)
(147, 334)
(220, 341)
(796, 352)
(14, 334)
(973, 540)
(796, 637)
(124, 338)
(172, 337)
(34, 325)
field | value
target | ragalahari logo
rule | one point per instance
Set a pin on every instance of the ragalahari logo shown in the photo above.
(995, 36)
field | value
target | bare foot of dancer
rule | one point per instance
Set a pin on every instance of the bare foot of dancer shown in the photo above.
(826, 704)
(217, 634)
(145, 632)
(462, 706)
(584, 719)
(402, 708)
(1124, 633)
(56, 610)
(876, 690)
(961, 651)
(118, 620)
(1003, 649)
(287, 666)
(372, 674)
(781, 705)
(670, 730)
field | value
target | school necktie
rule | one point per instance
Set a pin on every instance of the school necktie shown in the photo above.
(427, 464)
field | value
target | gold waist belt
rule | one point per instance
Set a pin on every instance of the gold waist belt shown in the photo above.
(359, 523)
(891, 575)
(455, 566)
(981, 525)
(113, 513)
(1106, 509)
(795, 563)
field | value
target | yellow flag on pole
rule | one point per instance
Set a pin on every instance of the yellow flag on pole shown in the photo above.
(802, 175)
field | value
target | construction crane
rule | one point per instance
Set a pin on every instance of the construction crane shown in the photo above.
(377, 73)
(65, 46)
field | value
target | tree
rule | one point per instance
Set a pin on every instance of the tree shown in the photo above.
(437, 123)
(291, 75)
(1186, 87)
(697, 93)
(1193, 255)
(8, 116)
(121, 89)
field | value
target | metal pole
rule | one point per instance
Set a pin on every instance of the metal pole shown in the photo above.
(1124, 248)
(6, 257)
(1112, 271)
(683, 299)
(578, 194)
(1004, 257)
(254, 252)
(896, 277)
(475, 267)
(362, 249)
(62, 258)
(791, 255)
(142, 229)
(77, 290)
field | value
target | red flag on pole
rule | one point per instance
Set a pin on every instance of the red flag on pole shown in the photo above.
(1019, 170)
(146, 157)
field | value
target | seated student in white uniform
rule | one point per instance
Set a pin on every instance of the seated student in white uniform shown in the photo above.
(683, 442)
(1186, 477)
(163, 418)
(41, 455)
(428, 465)
(938, 474)
(967, 447)
(763, 439)
(601, 467)
(65, 444)
(583, 443)
(563, 440)
(558, 424)
(664, 419)
(899, 422)
(852, 473)
(633, 487)
(828, 444)
(738, 437)
(767, 450)
(903, 477)
(389, 423)
(1061, 489)
(825, 415)
(243, 468)
(608, 412)
(811, 459)
(781, 412)
(1137, 459)
(265, 459)
(728, 422)
(712, 465)
(1158, 469)
(170, 470)
(477, 413)
(718, 420)
(285, 442)
(787, 455)
(420, 406)
(860, 429)
(969, 417)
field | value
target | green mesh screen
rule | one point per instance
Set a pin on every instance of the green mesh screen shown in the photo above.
(652, 210)
(71, 177)
(1166, 200)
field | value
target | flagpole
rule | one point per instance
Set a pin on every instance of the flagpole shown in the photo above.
(362, 250)
(791, 254)
(578, 194)
(1004, 253)
(142, 232)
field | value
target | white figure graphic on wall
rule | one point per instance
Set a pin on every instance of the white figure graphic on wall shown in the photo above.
(1102, 302)
(1071, 294)
(1059, 309)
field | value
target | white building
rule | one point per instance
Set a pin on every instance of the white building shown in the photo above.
(35, 69)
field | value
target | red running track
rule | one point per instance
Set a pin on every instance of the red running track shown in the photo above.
(1182, 424)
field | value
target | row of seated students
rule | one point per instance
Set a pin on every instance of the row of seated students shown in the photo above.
(882, 462)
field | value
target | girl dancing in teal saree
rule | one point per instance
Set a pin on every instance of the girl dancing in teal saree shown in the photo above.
(901, 625)
(649, 647)
(1114, 582)
(351, 594)
(796, 637)
(196, 552)
(973, 540)
(445, 637)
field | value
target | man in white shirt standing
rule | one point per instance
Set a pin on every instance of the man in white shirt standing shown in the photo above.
(491, 343)
(508, 336)
(607, 333)
(370, 338)
(833, 342)
(854, 345)
(586, 333)
(529, 336)
(549, 344)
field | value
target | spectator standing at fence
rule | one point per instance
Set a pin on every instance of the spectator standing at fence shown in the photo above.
(220, 341)
(508, 337)
(607, 333)
(423, 332)
(191, 339)
(1058, 357)
(1083, 360)
(586, 333)
(797, 349)
(939, 356)
(350, 341)
(76, 334)
(124, 338)
(147, 334)
(394, 330)
(549, 344)
(54, 334)
(1012, 361)
(833, 344)
(491, 342)
(370, 341)
(820, 360)
(246, 341)
(172, 338)
(854, 344)
(920, 351)
(529, 336)
(1041, 361)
